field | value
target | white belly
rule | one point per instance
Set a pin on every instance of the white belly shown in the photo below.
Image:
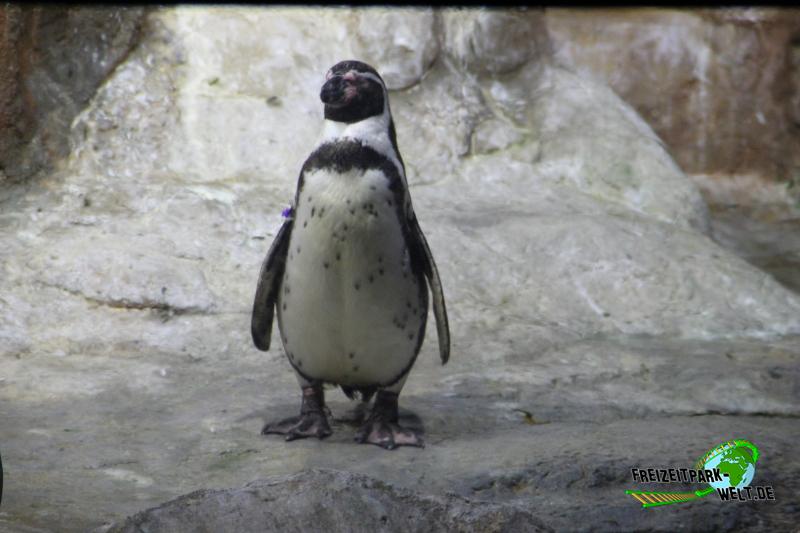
(350, 310)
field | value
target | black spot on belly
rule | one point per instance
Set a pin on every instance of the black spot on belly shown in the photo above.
(338, 256)
(380, 272)
(313, 210)
(298, 249)
(351, 355)
(344, 227)
(308, 199)
(389, 203)
(348, 201)
(321, 211)
(326, 265)
(371, 278)
(284, 306)
(372, 187)
(355, 368)
(300, 363)
(410, 336)
(352, 211)
(357, 285)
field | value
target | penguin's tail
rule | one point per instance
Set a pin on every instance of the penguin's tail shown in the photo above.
(366, 392)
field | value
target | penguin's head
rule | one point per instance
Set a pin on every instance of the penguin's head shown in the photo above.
(353, 91)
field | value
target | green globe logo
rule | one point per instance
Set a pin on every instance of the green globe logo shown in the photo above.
(736, 461)
(736, 466)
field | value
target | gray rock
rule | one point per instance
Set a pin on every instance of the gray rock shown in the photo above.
(53, 58)
(493, 41)
(326, 500)
(720, 90)
(400, 44)
(587, 302)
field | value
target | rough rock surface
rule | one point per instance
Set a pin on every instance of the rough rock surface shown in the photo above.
(720, 86)
(493, 41)
(324, 500)
(413, 48)
(52, 59)
(596, 326)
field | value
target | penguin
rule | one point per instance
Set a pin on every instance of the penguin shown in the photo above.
(350, 271)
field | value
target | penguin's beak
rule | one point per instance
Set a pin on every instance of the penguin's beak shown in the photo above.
(333, 92)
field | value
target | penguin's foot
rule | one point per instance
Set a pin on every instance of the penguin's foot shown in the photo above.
(382, 429)
(312, 422)
(300, 427)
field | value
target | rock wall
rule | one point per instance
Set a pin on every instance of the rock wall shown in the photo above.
(570, 210)
(52, 59)
(721, 87)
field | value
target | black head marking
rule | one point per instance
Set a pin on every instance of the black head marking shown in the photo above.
(343, 67)
(353, 91)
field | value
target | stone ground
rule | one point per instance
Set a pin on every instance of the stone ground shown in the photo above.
(554, 437)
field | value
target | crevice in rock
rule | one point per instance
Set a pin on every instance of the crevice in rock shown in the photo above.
(164, 309)
(764, 414)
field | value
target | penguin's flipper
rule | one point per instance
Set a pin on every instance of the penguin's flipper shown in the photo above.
(423, 254)
(269, 281)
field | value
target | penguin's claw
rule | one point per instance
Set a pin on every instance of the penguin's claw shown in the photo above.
(388, 435)
(314, 424)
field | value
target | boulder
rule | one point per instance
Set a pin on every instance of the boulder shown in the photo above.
(326, 500)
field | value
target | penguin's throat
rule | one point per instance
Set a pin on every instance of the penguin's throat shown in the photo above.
(373, 132)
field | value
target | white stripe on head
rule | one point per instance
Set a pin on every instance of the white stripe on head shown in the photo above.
(379, 81)
(375, 134)
(372, 131)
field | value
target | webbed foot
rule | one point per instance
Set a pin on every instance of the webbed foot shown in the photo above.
(382, 429)
(312, 421)
(300, 427)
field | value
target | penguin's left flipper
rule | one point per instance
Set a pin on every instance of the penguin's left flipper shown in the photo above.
(422, 253)
(269, 281)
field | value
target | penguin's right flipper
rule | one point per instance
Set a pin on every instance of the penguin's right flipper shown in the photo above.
(423, 253)
(269, 281)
